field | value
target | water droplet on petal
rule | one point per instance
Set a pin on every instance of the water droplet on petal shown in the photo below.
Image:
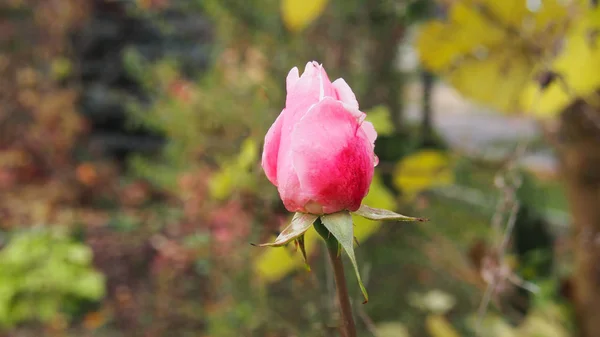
(375, 160)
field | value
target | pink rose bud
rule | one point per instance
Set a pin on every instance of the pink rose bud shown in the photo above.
(320, 150)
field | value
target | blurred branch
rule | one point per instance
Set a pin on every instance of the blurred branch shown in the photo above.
(384, 81)
(579, 153)
(428, 81)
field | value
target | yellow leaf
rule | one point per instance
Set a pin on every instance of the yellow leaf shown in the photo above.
(494, 326)
(492, 51)
(298, 14)
(423, 170)
(539, 325)
(275, 263)
(434, 301)
(248, 153)
(578, 65)
(392, 329)
(438, 326)
(234, 173)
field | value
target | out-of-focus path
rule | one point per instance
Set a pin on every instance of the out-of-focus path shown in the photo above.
(472, 129)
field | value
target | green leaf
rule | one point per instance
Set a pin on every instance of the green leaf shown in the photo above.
(383, 214)
(300, 242)
(381, 119)
(79, 254)
(89, 285)
(134, 63)
(300, 224)
(341, 227)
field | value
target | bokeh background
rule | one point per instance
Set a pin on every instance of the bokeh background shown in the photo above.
(131, 186)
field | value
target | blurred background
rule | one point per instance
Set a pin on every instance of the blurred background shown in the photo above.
(130, 182)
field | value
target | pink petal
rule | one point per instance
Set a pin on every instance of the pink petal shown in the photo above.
(357, 114)
(292, 195)
(288, 185)
(345, 93)
(311, 68)
(271, 149)
(369, 130)
(280, 158)
(292, 78)
(310, 88)
(332, 157)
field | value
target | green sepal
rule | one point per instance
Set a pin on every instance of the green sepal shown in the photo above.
(341, 227)
(301, 222)
(300, 243)
(383, 214)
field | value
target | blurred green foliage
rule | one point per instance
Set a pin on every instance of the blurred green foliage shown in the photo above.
(42, 273)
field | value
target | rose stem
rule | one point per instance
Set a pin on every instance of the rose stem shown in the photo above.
(348, 326)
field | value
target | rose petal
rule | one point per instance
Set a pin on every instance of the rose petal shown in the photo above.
(310, 88)
(347, 145)
(311, 69)
(369, 130)
(271, 149)
(292, 78)
(332, 156)
(357, 114)
(288, 185)
(345, 93)
(292, 195)
(371, 134)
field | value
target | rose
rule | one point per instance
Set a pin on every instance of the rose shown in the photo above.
(319, 152)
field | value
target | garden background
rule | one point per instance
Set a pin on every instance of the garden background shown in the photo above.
(131, 188)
